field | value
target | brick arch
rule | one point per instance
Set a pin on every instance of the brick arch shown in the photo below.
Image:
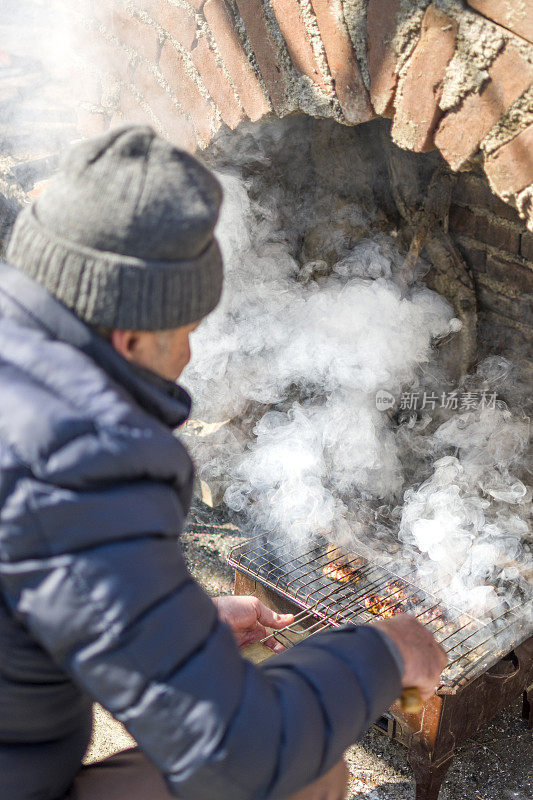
(190, 67)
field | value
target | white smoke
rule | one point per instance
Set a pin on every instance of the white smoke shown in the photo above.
(318, 352)
(469, 519)
(39, 86)
(284, 377)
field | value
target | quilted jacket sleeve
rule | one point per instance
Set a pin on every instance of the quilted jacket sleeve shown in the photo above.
(126, 621)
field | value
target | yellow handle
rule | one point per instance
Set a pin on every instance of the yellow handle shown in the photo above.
(410, 701)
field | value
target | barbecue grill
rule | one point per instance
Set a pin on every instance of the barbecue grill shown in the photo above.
(490, 663)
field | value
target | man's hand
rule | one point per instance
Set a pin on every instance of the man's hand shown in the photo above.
(249, 618)
(423, 657)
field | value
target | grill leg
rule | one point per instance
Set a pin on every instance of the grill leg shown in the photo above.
(428, 776)
(527, 707)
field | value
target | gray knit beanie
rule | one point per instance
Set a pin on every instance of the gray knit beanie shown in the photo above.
(123, 235)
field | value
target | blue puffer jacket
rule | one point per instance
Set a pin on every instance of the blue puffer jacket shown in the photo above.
(96, 602)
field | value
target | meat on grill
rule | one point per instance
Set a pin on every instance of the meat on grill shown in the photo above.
(395, 598)
(342, 573)
(382, 606)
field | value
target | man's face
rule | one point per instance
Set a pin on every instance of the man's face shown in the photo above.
(166, 353)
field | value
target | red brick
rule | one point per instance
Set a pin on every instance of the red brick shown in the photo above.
(484, 229)
(474, 253)
(517, 308)
(178, 21)
(179, 130)
(230, 48)
(217, 84)
(129, 30)
(164, 108)
(187, 92)
(131, 110)
(381, 25)
(90, 123)
(292, 26)
(471, 190)
(526, 246)
(510, 168)
(111, 58)
(515, 15)
(265, 52)
(463, 221)
(343, 65)
(509, 274)
(495, 336)
(116, 120)
(417, 109)
(460, 133)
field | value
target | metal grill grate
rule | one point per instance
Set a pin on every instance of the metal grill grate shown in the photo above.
(365, 591)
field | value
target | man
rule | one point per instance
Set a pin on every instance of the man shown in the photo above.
(107, 275)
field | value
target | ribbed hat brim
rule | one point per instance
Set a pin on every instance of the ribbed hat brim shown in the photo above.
(113, 290)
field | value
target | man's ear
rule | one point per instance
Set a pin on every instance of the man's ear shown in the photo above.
(126, 343)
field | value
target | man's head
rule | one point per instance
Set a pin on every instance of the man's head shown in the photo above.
(166, 353)
(123, 236)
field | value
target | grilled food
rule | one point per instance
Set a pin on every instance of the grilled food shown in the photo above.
(382, 606)
(343, 573)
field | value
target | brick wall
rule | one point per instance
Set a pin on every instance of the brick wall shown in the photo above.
(453, 76)
(178, 65)
(498, 247)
